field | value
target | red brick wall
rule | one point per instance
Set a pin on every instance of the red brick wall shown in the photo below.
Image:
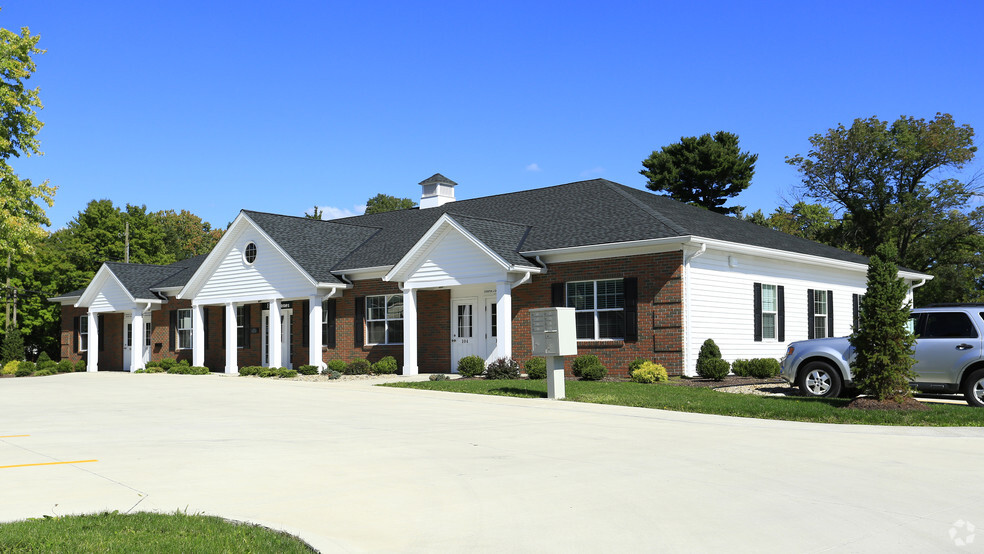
(660, 305)
(160, 341)
(68, 315)
(111, 354)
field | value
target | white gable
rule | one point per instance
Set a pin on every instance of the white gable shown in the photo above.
(226, 276)
(110, 296)
(451, 258)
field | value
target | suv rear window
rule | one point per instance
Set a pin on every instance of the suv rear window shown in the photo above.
(948, 325)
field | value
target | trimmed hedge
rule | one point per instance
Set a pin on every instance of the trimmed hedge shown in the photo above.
(536, 368)
(386, 366)
(502, 368)
(649, 372)
(471, 366)
(10, 368)
(308, 370)
(358, 367)
(64, 366)
(709, 351)
(182, 369)
(80, 366)
(760, 368)
(337, 365)
(716, 369)
(588, 368)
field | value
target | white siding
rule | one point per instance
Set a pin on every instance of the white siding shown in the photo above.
(452, 259)
(111, 297)
(721, 302)
(272, 275)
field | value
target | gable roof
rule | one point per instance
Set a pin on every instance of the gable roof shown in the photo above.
(142, 280)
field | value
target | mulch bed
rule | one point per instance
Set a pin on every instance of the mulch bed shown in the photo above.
(865, 403)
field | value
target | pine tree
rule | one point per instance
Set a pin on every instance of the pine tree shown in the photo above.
(13, 346)
(883, 343)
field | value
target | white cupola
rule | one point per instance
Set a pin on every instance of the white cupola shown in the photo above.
(437, 191)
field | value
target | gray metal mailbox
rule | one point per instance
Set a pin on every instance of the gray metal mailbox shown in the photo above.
(553, 331)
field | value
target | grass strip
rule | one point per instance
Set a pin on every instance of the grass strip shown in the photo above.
(709, 401)
(143, 532)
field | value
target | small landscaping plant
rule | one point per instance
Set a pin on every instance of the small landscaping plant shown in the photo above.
(649, 372)
(10, 367)
(155, 369)
(80, 366)
(168, 363)
(24, 371)
(471, 366)
(358, 367)
(502, 368)
(386, 366)
(589, 368)
(308, 370)
(708, 351)
(12, 347)
(636, 364)
(182, 369)
(30, 366)
(42, 358)
(337, 365)
(332, 374)
(153, 364)
(536, 368)
(64, 366)
(716, 369)
(439, 377)
(249, 371)
(43, 372)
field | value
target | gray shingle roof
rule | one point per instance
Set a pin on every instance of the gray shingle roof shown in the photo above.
(506, 239)
(437, 178)
(139, 279)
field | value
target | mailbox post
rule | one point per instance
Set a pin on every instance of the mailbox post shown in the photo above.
(554, 336)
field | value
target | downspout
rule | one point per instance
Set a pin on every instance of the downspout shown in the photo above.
(542, 265)
(686, 303)
(523, 280)
(912, 294)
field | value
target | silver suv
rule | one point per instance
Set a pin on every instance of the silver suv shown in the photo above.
(948, 353)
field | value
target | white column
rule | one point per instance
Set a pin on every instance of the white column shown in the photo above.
(273, 335)
(198, 335)
(137, 341)
(410, 332)
(231, 340)
(314, 332)
(503, 320)
(92, 353)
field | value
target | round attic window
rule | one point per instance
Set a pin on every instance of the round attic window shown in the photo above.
(250, 254)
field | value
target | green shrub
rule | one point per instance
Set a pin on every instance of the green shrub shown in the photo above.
(581, 362)
(23, 372)
(502, 368)
(279, 372)
(153, 364)
(439, 377)
(249, 370)
(80, 366)
(43, 372)
(593, 372)
(64, 366)
(385, 366)
(764, 368)
(742, 368)
(471, 366)
(199, 370)
(49, 365)
(183, 369)
(716, 369)
(43, 357)
(708, 351)
(154, 369)
(649, 372)
(308, 370)
(184, 362)
(168, 363)
(636, 364)
(30, 366)
(536, 368)
(332, 374)
(12, 347)
(337, 365)
(358, 367)
(11, 367)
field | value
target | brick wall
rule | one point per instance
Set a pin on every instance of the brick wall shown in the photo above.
(111, 353)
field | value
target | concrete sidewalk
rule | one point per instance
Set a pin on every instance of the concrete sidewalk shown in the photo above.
(352, 467)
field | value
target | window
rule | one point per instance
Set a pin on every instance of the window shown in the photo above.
(250, 254)
(770, 311)
(241, 326)
(384, 319)
(948, 325)
(129, 335)
(820, 313)
(83, 333)
(184, 329)
(495, 325)
(599, 308)
(148, 327)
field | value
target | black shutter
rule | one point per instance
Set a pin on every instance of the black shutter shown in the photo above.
(102, 332)
(781, 316)
(557, 295)
(809, 314)
(75, 335)
(306, 323)
(360, 321)
(172, 345)
(830, 313)
(757, 311)
(630, 287)
(856, 309)
(329, 339)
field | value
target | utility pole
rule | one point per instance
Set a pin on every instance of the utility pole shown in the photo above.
(126, 258)
(15, 307)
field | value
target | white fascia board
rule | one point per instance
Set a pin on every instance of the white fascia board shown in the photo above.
(64, 300)
(608, 250)
(359, 273)
(445, 221)
(98, 280)
(333, 286)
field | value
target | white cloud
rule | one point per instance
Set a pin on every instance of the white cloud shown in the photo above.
(533, 167)
(593, 171)
(331, 212)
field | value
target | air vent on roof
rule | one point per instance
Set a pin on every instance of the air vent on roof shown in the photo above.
(437, 190)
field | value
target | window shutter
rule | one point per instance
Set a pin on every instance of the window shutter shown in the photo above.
(102, 332)
(757, 311)
(75, 335)
(856, 309)
(329, 338)
(830, 313)
(781, 316)
(172, 345)
(809, 314)
(247, 325)
(305, 323)
(557, 295)
(360, 321)
(630, 287)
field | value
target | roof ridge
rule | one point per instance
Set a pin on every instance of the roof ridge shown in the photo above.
(489, 219)
(304, 218)
(646, 208)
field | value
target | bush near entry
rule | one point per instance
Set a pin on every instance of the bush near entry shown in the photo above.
(536, 368)
(502, 368)
(471, 366)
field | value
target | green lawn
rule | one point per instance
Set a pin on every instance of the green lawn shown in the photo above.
(143, 532)
(708, 401)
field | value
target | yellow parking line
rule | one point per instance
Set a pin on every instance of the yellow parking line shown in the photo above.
(12, 436)
(49, 464)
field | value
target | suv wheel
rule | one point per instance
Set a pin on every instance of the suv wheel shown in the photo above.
(974, 389)
(819, 380)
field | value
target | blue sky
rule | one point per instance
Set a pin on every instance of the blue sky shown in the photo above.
(217, 106)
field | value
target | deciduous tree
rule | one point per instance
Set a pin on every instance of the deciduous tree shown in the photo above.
(386, 203)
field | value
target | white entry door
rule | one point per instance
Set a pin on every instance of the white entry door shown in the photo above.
(491, 328)
(285, 360)
(465, 340)
(127, 341)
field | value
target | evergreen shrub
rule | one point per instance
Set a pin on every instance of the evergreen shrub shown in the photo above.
(716, 369)
(80, 366)
(337, 365)
(308, 369)
(471, 366)
(10, 367)
(358, 367)
(385, 366)
(708, 351)
(649, 372)
(64, 366)
(536, 368)
(588, 367)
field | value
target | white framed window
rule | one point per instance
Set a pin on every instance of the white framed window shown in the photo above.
(241, 327)
(184, 329)
(820, 314)
(83, 333)
(770, 311)
(148, 327)
(249, 254)
(384, 319)
(325, 324)
(599, 308)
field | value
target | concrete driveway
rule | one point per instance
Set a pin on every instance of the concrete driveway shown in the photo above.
(352, 467)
